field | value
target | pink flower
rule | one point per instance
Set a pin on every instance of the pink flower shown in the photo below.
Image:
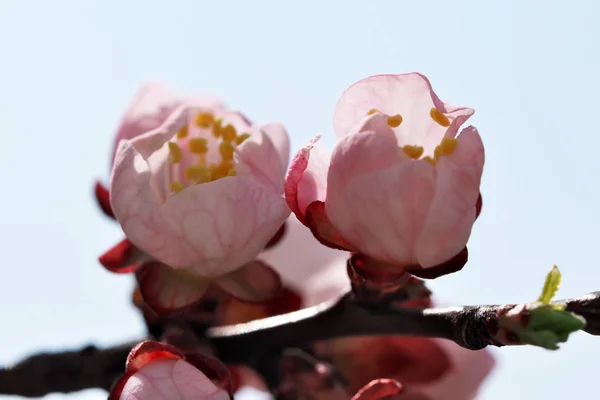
(463, 380)
(202, 194)
(401, 185)
(156, 371)
(316, 272)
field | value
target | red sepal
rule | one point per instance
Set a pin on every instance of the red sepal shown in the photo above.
(123, 258)
(379, 389)
(103, 199)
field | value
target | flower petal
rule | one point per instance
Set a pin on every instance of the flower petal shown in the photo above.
(379, 389)
(220, 225)
(166, 290)
(171, 379)
(469, 370)
(255, 281)
(103, 199)
(306, 181)
(151, 107)
(211, 228)
(380, 203)
(409, 95)
(233, 311)
(299, 256)
(453, 208)
(259, 156)
(281, 140)
(124, 258)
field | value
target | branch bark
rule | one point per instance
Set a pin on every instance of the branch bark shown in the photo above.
(472, 327)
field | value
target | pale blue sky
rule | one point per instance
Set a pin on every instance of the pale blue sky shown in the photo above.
(70, 67)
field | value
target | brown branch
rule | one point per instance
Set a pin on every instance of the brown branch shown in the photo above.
(256, 342)
(472, 327)
(65, 372)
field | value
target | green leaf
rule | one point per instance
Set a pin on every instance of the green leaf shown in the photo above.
(550, 286)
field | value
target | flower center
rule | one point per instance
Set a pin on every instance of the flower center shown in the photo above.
(446, 146)
(199, 170)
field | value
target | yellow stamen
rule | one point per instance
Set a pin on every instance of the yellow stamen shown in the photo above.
(175, 152)
(372, 111)
(413, 151)
(448, 145)
(232, 172)
(198, 145)
(196, 174)
(228, 132)
(183, 132)
(437, 152)
(430, 160)
(241, 137)
(226, 150)
(217, 127)
(394, 121)
(439, 117)
(222, 170)
(177, 187)
(205, 119)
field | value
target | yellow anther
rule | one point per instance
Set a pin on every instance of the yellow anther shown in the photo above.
(448, 145)
(196, 174)
(241, 137)
(437, 152)
(198, 145)
(232, 172)
(222, 170)
(228, 132)
(413, 151)
(217, 127)
(205, 119)
(183, 132)
(372, 111)
(177, 187)
(394, 121)
(175, 152)
(439, 117)
(226, 150)
(430, 160)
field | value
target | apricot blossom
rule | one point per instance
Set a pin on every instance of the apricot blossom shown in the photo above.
(198, 197)
(402, 185)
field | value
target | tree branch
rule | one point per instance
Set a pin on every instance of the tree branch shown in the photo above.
(472, 327)
(65, 372)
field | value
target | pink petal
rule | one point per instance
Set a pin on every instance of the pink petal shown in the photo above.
(212, 228)
(281, 140)
(166, 290)
(454, 204)
(171, 380)
(222, 225)
(299, 256)
(377, 198)
(379, 389)
(123, 258)
(151, 107)
(259, 156)
(469, 370)
(103, 199)
(409, 95)
(255, 281)
(306, 181)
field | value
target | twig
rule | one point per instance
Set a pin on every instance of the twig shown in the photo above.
(65, 372)
(472, 327)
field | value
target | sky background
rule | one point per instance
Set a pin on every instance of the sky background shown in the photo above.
(70, 67)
